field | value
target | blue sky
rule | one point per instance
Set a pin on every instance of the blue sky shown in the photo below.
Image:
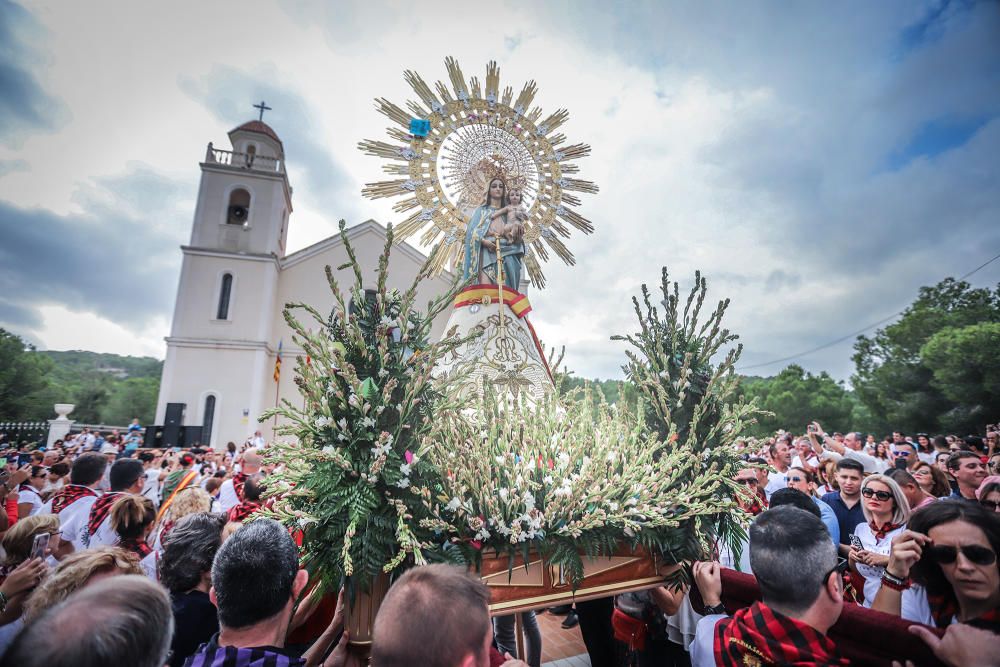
(817, 162)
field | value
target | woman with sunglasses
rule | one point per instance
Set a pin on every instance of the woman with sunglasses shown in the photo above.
(886, 513)
(948, 556)
(931, 480)
(988, 493)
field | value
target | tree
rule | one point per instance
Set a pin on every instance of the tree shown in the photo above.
(965, 364)
(893, 379)
(795, 398)
(22, 378)
(131, 398)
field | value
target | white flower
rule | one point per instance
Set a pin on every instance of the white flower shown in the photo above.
(547, 479)
(483, 533)
(323, 422)
(368, 422)
(613, 506)
(453, 505)
(404, 468)
(305, 521)
(342, 424)
(382, 372)
(354, 401)
(329, 449)
(504, 493)
(341, 437)
(404, 483)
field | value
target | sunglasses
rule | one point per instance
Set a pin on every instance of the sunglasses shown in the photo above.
(946, 554)
(990, 505)
(898, 452)
(881, 495)
(750, 481)
(795, 479)
(839, 568)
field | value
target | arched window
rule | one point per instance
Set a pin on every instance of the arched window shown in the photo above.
(225, 292)
(208, 419)
(251, 154)
(238, 212)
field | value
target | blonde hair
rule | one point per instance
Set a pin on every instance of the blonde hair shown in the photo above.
(18, 540)
(191, 500)
(901, 508)
(131, 515)
(74, 572)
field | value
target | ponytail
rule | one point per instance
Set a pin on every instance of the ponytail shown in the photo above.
(131, 515)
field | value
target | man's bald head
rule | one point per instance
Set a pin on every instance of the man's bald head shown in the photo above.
(434, 616)
(252, 461)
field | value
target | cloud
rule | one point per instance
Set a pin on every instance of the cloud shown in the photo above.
(117, 258)
(24, 105)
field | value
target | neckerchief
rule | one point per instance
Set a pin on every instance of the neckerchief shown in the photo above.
(944, 608)
(99, 510)
(211, 654)
(239, 479)
(758, 635)
(240, 512)
(137, 546)
(880, 533)
(69, 495)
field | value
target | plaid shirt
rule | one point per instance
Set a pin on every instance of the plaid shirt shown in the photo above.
(213, 655)
(758, 635)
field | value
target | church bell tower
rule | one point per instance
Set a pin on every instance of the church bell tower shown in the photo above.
(218, 348)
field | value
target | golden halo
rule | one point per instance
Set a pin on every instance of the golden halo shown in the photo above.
(475, 135)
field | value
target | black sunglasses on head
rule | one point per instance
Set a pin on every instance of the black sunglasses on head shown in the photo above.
(881, 495)
(990, 505)
(839, 568)
(947, 554)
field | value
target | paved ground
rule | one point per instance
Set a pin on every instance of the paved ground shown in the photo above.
(561, 648)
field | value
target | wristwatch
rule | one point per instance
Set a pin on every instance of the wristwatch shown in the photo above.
(715, 609)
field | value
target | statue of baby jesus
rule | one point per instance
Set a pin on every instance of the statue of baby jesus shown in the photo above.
(507, 231)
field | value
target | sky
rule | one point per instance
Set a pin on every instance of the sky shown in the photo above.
(817, 162)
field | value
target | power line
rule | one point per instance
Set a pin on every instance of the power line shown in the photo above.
(859, 331)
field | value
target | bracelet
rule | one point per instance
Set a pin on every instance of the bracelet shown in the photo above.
(895, 583)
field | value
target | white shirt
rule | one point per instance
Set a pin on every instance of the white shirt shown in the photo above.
(703, 646)
(151, 487)
(910, 600)
(811, 462)
(30, 495)
(227, 496)
(775, 480)
(73, 520)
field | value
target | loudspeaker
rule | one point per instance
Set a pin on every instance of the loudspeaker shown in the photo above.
(175, 414)
(153, 436)
(190, 436)
(171, 436)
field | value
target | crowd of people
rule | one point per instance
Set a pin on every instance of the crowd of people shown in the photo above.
(117, 554)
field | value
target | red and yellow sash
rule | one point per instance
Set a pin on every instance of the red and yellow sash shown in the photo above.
(487, 294)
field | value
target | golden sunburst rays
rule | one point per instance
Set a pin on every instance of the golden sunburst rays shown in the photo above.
(477, 132)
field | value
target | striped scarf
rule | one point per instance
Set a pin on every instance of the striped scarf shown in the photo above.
(136, 546)
(880, 533)
(758, 635)
(69, 495)
(99, 510)
(240, 512)
(944, 608)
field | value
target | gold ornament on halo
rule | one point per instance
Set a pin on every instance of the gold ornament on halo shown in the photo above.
(478, 133)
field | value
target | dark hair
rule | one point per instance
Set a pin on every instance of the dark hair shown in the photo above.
(124, 473)
(212, 484)
(147, 457)
(253, 487)
(940, 443)
(60, 469)
(851, 464)
(253, 573)
(503, 199)
(123, 620)
(88, 469)
(925, 571)
(756, 460)
(189, 552)
(975, 442)
(810, 477)
(38, 471)
(901, 477)
(444, 606)
(955, 460)
(131, 515)
(795, 498)
(231, 446)
(790, 552)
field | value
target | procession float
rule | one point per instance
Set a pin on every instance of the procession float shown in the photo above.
(466, 448)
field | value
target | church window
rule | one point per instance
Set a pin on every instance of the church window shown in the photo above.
(207, 420)
(251, 154)
(238, 212)
(225, 292)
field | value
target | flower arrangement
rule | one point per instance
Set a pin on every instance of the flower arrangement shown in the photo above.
(347, 478)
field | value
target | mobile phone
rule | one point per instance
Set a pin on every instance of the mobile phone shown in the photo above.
(811, 428)
(3, 461)
(23, 459)
(900, 464)
(856, 542)
(39, 545)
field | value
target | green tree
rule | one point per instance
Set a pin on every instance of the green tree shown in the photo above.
(896, 383)
(965, 364)
(131, 398)
(796, 397)
(23, 379)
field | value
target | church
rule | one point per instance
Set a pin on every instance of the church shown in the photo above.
(221, 371)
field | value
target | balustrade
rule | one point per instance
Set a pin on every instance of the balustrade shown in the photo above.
(252, 161)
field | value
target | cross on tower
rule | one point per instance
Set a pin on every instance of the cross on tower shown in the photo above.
(263, 107)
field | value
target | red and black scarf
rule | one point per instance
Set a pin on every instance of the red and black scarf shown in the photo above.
(944, 608)
(880, 533)
(137, 546)
(239, 479)
(759, 635)
(99, 510)
(69, 495)
(240, 512)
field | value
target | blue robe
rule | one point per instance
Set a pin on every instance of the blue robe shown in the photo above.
(476, 253)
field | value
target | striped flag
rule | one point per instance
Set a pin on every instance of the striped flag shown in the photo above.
(277, 363)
